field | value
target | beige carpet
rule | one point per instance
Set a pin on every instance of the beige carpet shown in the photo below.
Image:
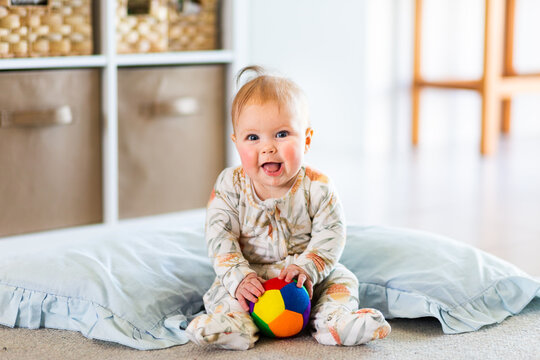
(517, 337)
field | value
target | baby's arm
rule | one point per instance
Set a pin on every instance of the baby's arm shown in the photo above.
(327, 233)
(222, 234)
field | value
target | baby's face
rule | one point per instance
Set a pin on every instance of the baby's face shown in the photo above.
(271, 144)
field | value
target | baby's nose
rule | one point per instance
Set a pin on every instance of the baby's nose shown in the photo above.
(269, 149)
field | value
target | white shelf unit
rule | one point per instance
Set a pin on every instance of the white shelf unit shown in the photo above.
(100, 61)
(91, 61)
(233, 53)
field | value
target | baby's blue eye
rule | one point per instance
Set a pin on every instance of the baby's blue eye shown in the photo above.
(252, 137)
(282, 134)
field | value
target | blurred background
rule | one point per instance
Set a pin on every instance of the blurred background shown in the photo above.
(354, 59)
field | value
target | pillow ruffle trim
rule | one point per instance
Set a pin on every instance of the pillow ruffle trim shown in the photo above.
(31, 309)
(506, 297)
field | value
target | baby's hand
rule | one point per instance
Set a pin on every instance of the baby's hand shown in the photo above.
(295, 271)
(249, 289)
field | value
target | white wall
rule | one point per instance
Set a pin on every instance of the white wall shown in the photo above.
(319, 44)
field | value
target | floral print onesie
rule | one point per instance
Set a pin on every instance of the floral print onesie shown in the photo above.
(305, 227)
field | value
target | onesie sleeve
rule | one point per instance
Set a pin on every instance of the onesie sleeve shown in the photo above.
(327, 234)
(223, 231)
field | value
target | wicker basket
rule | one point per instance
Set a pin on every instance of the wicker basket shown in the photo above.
(141, 26)
(193, 25)
(56, 28)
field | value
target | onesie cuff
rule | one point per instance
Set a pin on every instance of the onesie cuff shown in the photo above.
(234, 277)
(309, 267)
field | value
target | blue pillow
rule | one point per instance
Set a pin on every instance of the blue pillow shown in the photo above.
(137, 286)
(412, 274)
(140, 283)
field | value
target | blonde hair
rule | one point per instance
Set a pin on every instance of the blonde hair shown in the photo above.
(263, 87)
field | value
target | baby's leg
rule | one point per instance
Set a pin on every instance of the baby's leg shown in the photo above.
(335, 315)
(225, 325)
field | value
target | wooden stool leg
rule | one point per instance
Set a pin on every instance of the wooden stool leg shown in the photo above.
(493, 66)
(509, 27)
(491, 113)
(506, 114)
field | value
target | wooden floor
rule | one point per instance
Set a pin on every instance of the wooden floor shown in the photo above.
(448, 188)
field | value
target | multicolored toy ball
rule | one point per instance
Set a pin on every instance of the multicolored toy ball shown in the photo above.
(283, 310)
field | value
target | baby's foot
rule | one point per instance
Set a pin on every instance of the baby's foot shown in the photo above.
(232, 331)
(352, 328)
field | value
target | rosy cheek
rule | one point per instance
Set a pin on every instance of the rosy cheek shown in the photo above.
(291, 153)
(247, 156)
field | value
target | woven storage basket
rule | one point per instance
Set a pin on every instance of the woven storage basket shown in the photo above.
(56, 28)
(142, 26)
(193, 25)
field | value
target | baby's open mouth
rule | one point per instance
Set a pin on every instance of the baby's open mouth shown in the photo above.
(271, 167)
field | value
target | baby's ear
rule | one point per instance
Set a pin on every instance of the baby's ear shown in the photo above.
(309, 135)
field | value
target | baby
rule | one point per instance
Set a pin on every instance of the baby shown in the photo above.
(274, 216)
